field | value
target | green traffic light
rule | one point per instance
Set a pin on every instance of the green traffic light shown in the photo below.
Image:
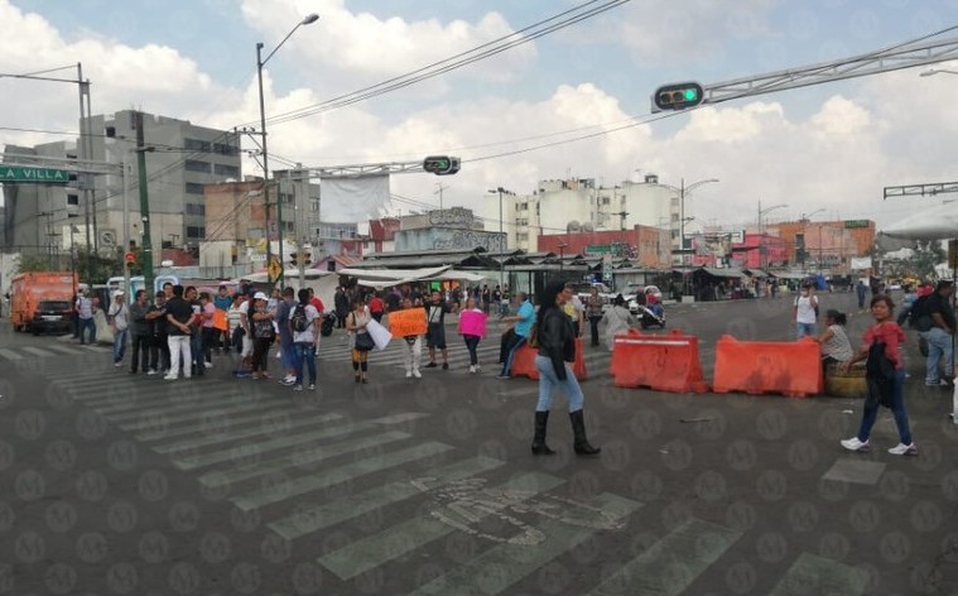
(690, 95)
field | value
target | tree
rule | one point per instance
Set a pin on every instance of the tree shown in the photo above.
(36, 263)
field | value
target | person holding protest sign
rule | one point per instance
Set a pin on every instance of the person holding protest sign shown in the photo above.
(472, 327)
(409, 323)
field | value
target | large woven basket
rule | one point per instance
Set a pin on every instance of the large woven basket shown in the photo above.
(845, 384)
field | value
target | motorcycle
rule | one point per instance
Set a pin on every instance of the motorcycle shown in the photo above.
(650, 316)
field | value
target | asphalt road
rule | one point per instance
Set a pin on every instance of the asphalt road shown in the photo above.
(123, 484)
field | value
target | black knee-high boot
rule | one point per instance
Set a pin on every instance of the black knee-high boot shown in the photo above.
(581, 444)
(539, 446)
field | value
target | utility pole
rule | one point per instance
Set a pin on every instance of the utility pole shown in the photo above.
(439, 188)
(147, 249)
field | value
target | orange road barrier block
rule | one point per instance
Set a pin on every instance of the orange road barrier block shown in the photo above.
(524, 362)
(661, 362)
(756, 367)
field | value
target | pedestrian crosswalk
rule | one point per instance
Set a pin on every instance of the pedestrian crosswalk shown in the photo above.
(309, 473)
(49, 350)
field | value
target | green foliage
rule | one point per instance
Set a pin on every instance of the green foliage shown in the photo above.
(37, 263)
(921, 265)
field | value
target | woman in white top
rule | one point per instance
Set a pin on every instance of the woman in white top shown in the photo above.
(836, 347)
(617, 320)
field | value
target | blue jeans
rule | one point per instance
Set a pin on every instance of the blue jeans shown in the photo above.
(288, 357)
(517, 342)
(87, 324)
(804, 329)
(305, 353)
(119, 345)
(549, 382)
(898, 409)
(939, 348)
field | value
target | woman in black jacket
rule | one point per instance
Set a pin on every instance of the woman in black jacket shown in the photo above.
(556, 338)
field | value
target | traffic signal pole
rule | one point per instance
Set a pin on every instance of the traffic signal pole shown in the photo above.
(917, 52)
(147, 249)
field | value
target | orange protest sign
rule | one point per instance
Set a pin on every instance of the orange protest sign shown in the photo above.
(220, 320)
(407, 322)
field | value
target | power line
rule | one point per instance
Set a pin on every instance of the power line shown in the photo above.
(454, 62)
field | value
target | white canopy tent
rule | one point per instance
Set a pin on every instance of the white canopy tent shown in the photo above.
(938, 223)
(387, 278)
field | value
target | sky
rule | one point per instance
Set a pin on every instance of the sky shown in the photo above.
(831, 147)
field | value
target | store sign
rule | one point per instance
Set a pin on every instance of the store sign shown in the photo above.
(856, 223)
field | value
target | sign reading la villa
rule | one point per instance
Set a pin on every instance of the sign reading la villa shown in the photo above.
(39, 175)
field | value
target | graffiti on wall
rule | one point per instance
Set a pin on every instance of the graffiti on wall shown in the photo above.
(455, 217)
(470, 239)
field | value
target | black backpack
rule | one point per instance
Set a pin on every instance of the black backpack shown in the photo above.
(298, 321)
(919, 318)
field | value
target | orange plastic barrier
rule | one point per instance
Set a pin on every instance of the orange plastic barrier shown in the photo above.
(661, 362)
(790, 368)
(524, 362)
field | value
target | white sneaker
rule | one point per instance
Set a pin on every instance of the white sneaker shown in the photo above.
(408, 374)
(853, 444)
(208, 364)
(902, 449)
(117, 364)
(417, 374)
(170, 377)
(472, 369)
(152, 372)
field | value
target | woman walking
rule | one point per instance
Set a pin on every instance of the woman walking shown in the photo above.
(556, 338)
(885, 375)
(472, 326)
(617, 320)
(412, 344)
(360, 340)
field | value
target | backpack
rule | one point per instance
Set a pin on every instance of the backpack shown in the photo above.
(918, 317)
(298, 321)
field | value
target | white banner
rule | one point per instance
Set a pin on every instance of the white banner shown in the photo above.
(354, 199)
(861, 263)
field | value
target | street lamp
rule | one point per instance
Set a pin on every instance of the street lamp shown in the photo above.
(505, 244)
(804, 221)
(761, 237)
(562, 247)
(684, 191)
(260, 62)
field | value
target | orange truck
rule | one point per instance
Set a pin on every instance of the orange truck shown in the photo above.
(41, 301)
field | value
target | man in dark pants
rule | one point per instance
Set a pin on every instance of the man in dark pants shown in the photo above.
(341, 302)
(159, 348)
(436, 332)
(140, 331)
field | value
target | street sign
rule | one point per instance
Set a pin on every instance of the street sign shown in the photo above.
(274, 269)
(598, 248)
(33, 175)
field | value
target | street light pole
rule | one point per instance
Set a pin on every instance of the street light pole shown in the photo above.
(684, 191)
(260, 62)
(762, 261)
(502, 235)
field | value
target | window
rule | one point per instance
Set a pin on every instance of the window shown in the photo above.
(73, 200)
(193, 188)
(605, 200)
(224, 170)
(314, 206)
(224, 149)
(194, 209)
(196, 145)
(195, 231)
(193, 165)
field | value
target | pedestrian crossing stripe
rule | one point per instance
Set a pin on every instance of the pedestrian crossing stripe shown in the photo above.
(123, 396)
(162, 419)
(205, 460)
(10, 354)
(38, 352)
(318, 517)
(668, 567)
(216, 398)
(812, 574)
(311, 456)
(494, 570)
(403, 538)
(228, 420)
(306, 484)
(65, 350)
(246, 433)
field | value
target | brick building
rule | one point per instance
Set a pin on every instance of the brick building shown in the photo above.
(647, 246)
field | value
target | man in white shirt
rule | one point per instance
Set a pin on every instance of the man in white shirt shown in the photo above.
(304, 324)
(805, 311)
(247, 352)
(119, 317)
(85, 311)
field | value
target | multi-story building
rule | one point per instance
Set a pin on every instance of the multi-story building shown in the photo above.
(579, 205)
(181, 160)
(646, 246)
(827, 245)
(446, 229)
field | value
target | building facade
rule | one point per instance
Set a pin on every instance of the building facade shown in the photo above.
(446, 229)
(648, 247)
(581, 206)
(182, 158)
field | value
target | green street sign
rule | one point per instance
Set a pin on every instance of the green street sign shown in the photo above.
(34, 175)
(598, 248)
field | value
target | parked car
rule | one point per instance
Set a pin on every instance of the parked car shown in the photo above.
(51, 316)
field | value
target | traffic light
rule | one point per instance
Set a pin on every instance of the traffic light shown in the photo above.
(441, 165)
(307, 258)
(678, 96)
